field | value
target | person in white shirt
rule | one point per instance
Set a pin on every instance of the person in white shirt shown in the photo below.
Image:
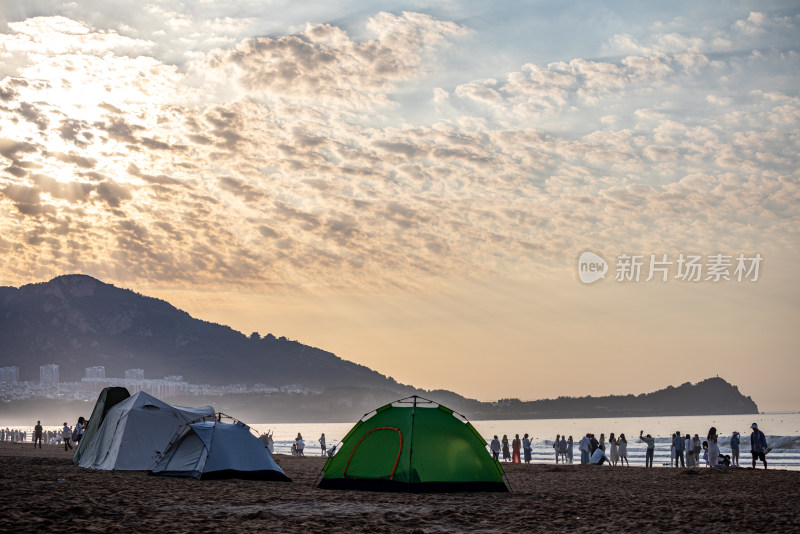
(689, 447)
(66, 434)
(599, 457)
(495, 446)
(300, 444)
(526, 449)
(583, 446)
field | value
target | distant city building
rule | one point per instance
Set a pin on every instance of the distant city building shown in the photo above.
(9, 375)
(48, 375)
(134, 374)
(97, 371)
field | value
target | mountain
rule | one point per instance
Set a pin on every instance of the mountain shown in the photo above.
(76, 321)
(713, 396)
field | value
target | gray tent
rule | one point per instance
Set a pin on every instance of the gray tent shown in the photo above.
(135, 432)
(214, 449)
(107, 399)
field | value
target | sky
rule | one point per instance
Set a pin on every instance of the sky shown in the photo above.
(412, 185)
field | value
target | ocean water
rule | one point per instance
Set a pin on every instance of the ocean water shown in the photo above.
(782, 431)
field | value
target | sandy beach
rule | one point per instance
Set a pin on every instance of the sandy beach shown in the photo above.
(42, 491)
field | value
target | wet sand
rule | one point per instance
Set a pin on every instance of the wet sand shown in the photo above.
(40, 490)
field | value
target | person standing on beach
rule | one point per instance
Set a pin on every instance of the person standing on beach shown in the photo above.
(713, 447)
(679, 445)
(300, 444)
(267, 439)
(698, 447)
(66, 433)
(562, 448)
(37, 434)
(322, 443)
(672, 451)
(593, 444)
(622, 443)
(688, 446)
(506, 452)
(569, 450)
(495, 447)
(735, 449)
(77, 433)
(555, 446)
(651, 448)
(526, 449)
(516, 445)
(584, 447)
(613, 454)
(758, 446)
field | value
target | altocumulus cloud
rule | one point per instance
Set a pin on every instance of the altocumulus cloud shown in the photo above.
(258, 162)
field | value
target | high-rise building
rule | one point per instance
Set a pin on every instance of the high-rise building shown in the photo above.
(134, 374)
(97, 371)
(48, 375)
(9, 375)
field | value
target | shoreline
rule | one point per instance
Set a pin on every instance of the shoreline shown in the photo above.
(43, 490)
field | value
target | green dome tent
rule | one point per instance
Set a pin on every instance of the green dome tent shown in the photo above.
(414, 445)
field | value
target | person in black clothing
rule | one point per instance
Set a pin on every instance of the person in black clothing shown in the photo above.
(37, 434)
(593, 444)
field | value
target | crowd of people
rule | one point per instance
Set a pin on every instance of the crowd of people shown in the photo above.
(13, 435)
(685, 450)
(67, 435)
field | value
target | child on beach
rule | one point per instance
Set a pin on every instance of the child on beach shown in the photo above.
(735, 449)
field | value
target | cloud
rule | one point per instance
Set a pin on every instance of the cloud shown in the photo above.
(324, 64)
(290, 161)
(758, 23)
